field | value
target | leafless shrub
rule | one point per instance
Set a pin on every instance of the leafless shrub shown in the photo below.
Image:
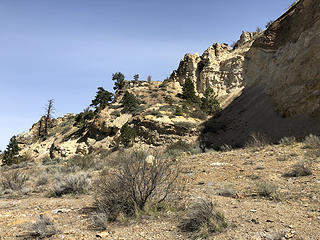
(42, 228)
(13, 180)
(286, 141)
(140, 178)
(73, 184)
(257, 140)
(299, 169)
(99, 221)
(203, 219)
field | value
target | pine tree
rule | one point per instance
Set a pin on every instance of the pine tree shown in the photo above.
(210, 103)
(103, 97)
(136, 78)
(188, 92)
(130, 102)
(11, 152)
(119, 80)
(128, 135)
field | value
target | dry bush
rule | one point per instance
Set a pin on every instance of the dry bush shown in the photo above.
(140, 178)
(42, 180)
(227, 191)
(299, 169)
(257, 140)
(203, 219)
(42, 228)
(83, 162)
(13, 180)
(312, 141)
(268, 190)
(286, 141)
(73, 184)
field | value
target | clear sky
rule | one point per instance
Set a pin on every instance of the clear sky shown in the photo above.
(65, 49)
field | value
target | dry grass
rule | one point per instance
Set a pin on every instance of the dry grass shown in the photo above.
(42, 228)
(202, 219)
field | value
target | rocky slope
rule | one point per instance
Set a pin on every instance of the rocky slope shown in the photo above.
(281, 78)
(154, 121)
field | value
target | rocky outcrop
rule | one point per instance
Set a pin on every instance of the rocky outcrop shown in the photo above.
(285, 60)
(281, 95)
(218, 67)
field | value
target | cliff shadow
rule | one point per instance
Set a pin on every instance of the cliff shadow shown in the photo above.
(253, 112)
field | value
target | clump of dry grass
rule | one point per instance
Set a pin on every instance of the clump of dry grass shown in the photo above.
(312, 141)
(257, 140)
(268, 190)
(299, 169)
(42, 228)
(286, 141)
(203, 219)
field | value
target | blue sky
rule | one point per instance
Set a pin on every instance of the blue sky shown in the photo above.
(65, 49)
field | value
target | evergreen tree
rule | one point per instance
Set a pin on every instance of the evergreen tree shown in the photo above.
(48, 115)
(119, 80)
(11, 152)
(130, 102)
(136, 78)
(128, 135)
(188, 92)
(103, 97)
(210, 103)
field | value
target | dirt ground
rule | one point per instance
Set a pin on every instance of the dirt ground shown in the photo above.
(296, 215)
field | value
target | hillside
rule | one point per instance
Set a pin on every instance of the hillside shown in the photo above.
(227, 147)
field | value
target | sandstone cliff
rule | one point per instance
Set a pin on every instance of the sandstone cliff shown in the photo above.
(281, 78)
(219, 67)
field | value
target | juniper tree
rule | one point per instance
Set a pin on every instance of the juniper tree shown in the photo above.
(11, 152)
(103, 97)
(210, 103)
(188, 91)
(118, 77)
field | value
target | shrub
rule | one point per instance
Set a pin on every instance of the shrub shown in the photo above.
(257, 140)
(312, 141)
(116, 113)
(268, 190)
(203, 220)
(199, 114)
(13, 180)
(299, 169)
(83, 162)
(286, 141)
(178, 111)
(180, 146)
(42, 228)
(227, 191)
(42, 180)
(127, 135)
(137, 181)
(84, 116)
(269, 23)
(73, 184)
(185, 125)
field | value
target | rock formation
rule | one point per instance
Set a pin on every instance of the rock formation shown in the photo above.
(218, 67)
(281, 78)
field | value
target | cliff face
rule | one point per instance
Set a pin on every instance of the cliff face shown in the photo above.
(219, 67)
(285, 61)
(281, 78)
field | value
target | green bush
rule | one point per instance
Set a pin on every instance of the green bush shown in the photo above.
(210, 103)
(130, 102)
(127, 135)
(178, 111)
